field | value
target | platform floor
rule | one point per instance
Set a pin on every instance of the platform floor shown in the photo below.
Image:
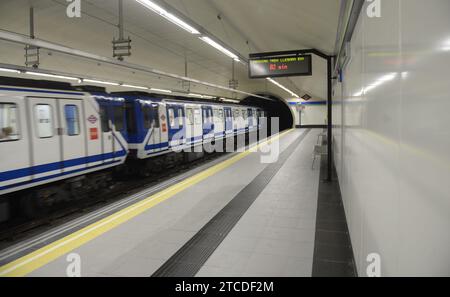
(274, 237)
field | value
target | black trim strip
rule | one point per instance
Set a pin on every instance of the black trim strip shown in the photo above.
(191, 257)
(333, 252)
(311, 126)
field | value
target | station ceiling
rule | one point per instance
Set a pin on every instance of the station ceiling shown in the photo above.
(246, 26)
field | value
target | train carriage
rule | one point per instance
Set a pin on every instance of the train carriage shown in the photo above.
(54, 133)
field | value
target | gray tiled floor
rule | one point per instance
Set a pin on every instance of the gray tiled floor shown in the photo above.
(141, 245)
(276, 235)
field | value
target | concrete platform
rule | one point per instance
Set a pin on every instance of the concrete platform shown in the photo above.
(275, 236)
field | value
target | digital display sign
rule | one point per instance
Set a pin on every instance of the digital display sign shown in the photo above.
(280, 66)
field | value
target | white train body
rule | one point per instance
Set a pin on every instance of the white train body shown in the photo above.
(49, 135)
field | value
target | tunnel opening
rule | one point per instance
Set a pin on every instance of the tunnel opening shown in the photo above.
(276, 107)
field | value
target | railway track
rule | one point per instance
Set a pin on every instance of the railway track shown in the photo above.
(19, 229)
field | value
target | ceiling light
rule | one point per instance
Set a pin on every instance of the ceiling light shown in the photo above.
(219, 47)
(101, 82)
(161, 90)
(52, 75)
(282, 87)
(229, 100)
(9, 70)
(134, 87)
(168, 16)
(195, 95)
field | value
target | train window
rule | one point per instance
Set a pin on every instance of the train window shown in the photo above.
(119, 118)
(244, 114)
(180, 117)
(190, 116)
(147, 113)
(197, 117)
(44, 118)
(104, 119)
(130, 118)
(221, 114)
(9, 130)
(72, 120)
(171, 117)
(155, 116)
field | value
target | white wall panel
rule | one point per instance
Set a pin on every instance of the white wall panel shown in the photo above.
(394, 165)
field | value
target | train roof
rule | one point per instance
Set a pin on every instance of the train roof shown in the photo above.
(136, 95)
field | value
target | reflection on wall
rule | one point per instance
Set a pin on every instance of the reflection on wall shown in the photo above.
(391, 138)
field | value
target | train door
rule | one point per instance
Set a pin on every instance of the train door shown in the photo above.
(219, 122)
(119, 131)
(228, 120)
(45, 138)
(164, 130)
(155, 126)
(72, 130)
(107, 133)
(152, 126)
(14, 139)
(175, 115)
(250, 118)
(208, 124)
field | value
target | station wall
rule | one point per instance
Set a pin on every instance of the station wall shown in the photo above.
(311, 114)
(392, 139)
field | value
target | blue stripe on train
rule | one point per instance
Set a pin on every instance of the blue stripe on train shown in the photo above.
(19, 173)
(56, 175)
(156, 146)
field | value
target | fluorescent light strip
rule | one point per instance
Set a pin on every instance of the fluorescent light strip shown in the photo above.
(195, 95)
(134, 87)
(9, 70)
(229, 100)
(282, 87)
(101, 82)
(161, 90)
(219, 47)
(51, 75)
(168, 16)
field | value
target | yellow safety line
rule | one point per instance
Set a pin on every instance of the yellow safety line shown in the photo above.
(44, 255)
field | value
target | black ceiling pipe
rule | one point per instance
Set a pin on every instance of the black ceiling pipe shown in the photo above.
(276, 107)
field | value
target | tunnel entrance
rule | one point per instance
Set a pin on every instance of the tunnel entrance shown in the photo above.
(276, 107)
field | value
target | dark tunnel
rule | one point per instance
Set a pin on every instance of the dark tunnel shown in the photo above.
(276, 107)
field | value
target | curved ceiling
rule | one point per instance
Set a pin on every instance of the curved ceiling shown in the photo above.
(246, 26)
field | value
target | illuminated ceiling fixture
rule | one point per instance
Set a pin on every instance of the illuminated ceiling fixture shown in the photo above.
(9, 70)
(52, 75)
(195, 95)
(446, 46)
(134, 87)
(282, 87)
(219, 47)
(201, 96)
(229, 100)
(161, 90)
(101, 82)
(168, 16)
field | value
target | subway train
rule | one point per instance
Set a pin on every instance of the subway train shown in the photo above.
(64, 141)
